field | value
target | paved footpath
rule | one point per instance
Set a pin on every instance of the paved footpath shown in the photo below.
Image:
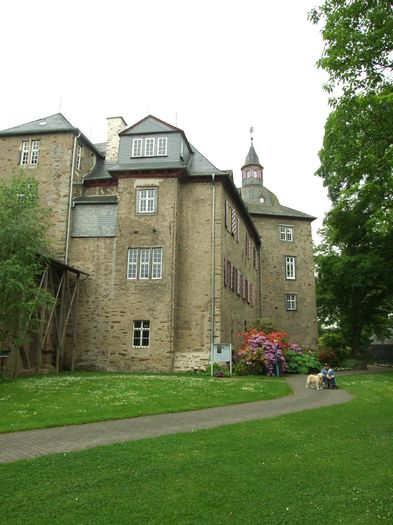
(32, 443)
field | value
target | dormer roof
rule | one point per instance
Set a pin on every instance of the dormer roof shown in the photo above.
(151, 125)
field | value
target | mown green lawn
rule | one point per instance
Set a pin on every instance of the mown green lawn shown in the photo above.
(82, 397)
(329, 466)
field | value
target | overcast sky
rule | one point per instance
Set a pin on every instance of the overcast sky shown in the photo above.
(213, 68)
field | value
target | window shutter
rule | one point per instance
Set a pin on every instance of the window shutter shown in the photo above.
(239, 282)
(225, 272)
(233, 228)
(226, 214)
(238, 229)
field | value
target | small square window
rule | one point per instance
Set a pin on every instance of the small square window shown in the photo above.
(141, 334)
(286, 233)
(146, 200)
(291, 301)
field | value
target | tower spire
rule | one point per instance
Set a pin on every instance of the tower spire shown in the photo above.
(252, 171)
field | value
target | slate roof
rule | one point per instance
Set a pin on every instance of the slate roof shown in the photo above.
(199, 165)
(53, 124)
(252, 157)
(271, 206)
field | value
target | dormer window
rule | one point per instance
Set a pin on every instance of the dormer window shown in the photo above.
(137, 148)
(149, 147)
(162, 145)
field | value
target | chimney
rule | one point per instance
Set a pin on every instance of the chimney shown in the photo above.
(115, 126)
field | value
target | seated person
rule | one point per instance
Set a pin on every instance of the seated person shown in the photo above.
(331, 378)
(324, 372)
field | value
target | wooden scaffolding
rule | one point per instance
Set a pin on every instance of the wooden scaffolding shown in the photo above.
(52, 346)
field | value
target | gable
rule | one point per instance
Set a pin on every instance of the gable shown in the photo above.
(149, 124)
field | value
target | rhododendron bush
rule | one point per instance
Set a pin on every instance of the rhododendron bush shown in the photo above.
(258, 354)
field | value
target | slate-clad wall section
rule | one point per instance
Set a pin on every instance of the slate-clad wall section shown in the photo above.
(125, 149)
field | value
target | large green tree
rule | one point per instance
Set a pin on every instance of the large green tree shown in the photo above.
(357, 36)
(23, 250)
(354, 285)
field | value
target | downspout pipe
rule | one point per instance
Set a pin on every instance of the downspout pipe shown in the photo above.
(213, 271)
(260, 280)
(70, 200)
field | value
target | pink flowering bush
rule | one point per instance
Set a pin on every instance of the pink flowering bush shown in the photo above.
(258, 356)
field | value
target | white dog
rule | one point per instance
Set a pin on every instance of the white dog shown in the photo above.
(316, 380)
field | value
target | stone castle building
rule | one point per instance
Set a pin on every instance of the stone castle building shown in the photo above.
(177, 257)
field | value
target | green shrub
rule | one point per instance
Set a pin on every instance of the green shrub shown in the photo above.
(264, 325)
(301, 363)
(333, 342)
(241, 369)
(355, 364)
(328, 355)
(219, 370)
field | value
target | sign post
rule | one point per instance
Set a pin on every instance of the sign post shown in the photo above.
(222, 352)
(275, 344)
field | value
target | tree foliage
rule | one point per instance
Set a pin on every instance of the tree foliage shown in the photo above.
(23, 250)
(354, 284)
(358, 43)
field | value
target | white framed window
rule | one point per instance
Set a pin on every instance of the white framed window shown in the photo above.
(132, 265)
(35, 149)
(30, 152)
(141, 334)
(24, 159)
(286, 233)
(78, 157)
(144, 263)
(156, 267)
(162, 146)
(146, 200)
(291, 301)
(137, 148)
(290, 268)
(255, 174)
(149, 147)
